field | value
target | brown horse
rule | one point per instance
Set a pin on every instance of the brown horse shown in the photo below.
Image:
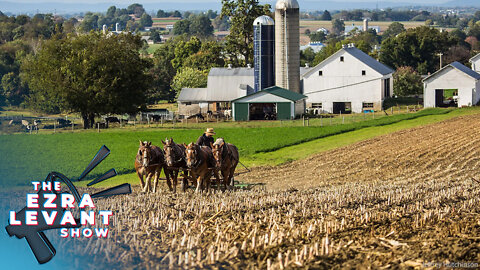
(174, 160)
(197, 161)
(149, 163)
(226, 158)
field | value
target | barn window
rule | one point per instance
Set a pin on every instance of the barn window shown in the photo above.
(320, 73)
(364, 73)
(367, 105)
(317, 105)
(341, 58)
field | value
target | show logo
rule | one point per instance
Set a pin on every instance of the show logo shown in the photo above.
(54, 208)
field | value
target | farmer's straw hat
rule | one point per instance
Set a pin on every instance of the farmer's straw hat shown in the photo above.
(210, 131)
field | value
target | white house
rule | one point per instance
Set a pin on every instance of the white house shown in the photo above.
(475, 63)
(453, 85)
(347, 81)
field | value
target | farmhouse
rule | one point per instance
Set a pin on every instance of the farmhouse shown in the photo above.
(273, 103)
(475, 63)
(347, 81)
(454, 85)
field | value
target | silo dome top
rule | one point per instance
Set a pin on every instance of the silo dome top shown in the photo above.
(264, 20)
(283, 4)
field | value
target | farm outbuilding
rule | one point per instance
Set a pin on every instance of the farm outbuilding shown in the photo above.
(223, 85)
(273, 103)
(475, 63)
(347, 81)
(455, 85)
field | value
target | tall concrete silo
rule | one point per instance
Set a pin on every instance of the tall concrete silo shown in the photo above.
(287, 45)
(264, 52)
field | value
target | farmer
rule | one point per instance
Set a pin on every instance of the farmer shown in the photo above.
(206, 138)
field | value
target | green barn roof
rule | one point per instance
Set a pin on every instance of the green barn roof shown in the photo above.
(278, 91)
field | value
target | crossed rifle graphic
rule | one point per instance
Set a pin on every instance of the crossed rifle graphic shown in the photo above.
(36, 238)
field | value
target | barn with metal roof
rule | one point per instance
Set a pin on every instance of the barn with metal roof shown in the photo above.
(347, 81)
(273, 103)
(454, 85)
(223, 86)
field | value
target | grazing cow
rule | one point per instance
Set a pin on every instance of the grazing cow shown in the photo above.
(149, 163)
(227, 113)
(198, 115)
(62, 122)
(197, 161)
(26, 124)
(226, 158)
(174, 161)
(112, 119)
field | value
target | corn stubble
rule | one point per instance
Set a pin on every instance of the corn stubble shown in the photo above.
(393, 224)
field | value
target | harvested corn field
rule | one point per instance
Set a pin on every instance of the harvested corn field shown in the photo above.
(408, 199)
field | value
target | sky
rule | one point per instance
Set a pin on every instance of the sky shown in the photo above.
(127, 2)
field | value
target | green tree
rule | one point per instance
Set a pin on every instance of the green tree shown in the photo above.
(111, 11)
(221, 23)
(155, 36)
(185, 49)
(239, 43)
(307, 56)
(14, 90)
(145, 20)
(407, 82)
(136, 9)
(176, 13)
(209, 55)
(181, 27)
(90, 22)
(393, 29)
(163, 71)
(189, 78)
(326, 16)
(161, 14)
(338, 26)
(201, 26)
(317, 36)
(94, 74)
(417, 48)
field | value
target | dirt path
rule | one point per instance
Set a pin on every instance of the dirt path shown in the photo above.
(446, 150)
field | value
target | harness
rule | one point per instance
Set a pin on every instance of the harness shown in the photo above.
(198, 161)
(176, 151)
(140, 161)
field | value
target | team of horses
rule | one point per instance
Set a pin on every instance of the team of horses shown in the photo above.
(197, 163)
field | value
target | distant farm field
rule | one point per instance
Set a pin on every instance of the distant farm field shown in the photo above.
(153, 47)
(313, 25)
(32, 157)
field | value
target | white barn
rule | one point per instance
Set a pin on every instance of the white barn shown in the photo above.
(347, 81)
(475, 63)
(453, 85)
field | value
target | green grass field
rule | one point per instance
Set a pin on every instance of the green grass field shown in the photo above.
(153, 47)
(31, 157)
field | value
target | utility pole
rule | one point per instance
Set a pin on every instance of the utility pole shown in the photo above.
(440, 54)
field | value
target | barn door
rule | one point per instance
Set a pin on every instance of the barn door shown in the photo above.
(241, 111)
(284, 110)
(439, 98)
